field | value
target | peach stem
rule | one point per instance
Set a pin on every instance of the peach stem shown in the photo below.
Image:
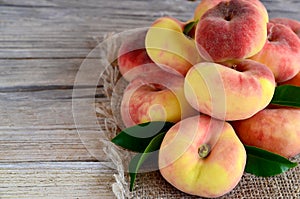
(204, 150)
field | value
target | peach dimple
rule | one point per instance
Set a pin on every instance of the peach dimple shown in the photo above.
(205, 5)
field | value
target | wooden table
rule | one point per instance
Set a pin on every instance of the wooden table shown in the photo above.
(42, 45)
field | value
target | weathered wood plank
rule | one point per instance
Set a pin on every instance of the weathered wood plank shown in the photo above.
(56, 180)
(44, 108)
(97, 15)
(43, 43)
(19, 145)
(38, 72)
(39, 125)
(55, 53)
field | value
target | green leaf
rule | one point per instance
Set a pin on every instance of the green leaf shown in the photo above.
(264, 163)
(137, 161)
(188, 27)
(137, 138)
(287, 95)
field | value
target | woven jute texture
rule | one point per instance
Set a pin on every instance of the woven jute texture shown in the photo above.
(151, 184)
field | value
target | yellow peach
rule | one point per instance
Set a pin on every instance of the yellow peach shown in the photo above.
(228, 94)
(169, 48)
(193, 164)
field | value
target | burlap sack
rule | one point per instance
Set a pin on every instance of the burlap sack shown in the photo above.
(151, 184)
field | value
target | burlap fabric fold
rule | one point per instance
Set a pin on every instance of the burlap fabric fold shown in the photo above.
(151, 184)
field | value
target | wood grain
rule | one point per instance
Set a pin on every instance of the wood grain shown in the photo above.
(56, 180)
(42, 45)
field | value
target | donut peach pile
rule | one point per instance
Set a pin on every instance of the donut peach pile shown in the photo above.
(214, 77)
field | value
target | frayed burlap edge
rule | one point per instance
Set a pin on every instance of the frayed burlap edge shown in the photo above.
(151, 184)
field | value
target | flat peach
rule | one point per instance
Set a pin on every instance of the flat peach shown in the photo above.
(205, 5)
(133, 58)
(155, 96)
(276, 130)
(294, 81)
(229, 93)
(281, 52)
(291, 23)
(169, 47)
(191, 163)
(231, 30)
